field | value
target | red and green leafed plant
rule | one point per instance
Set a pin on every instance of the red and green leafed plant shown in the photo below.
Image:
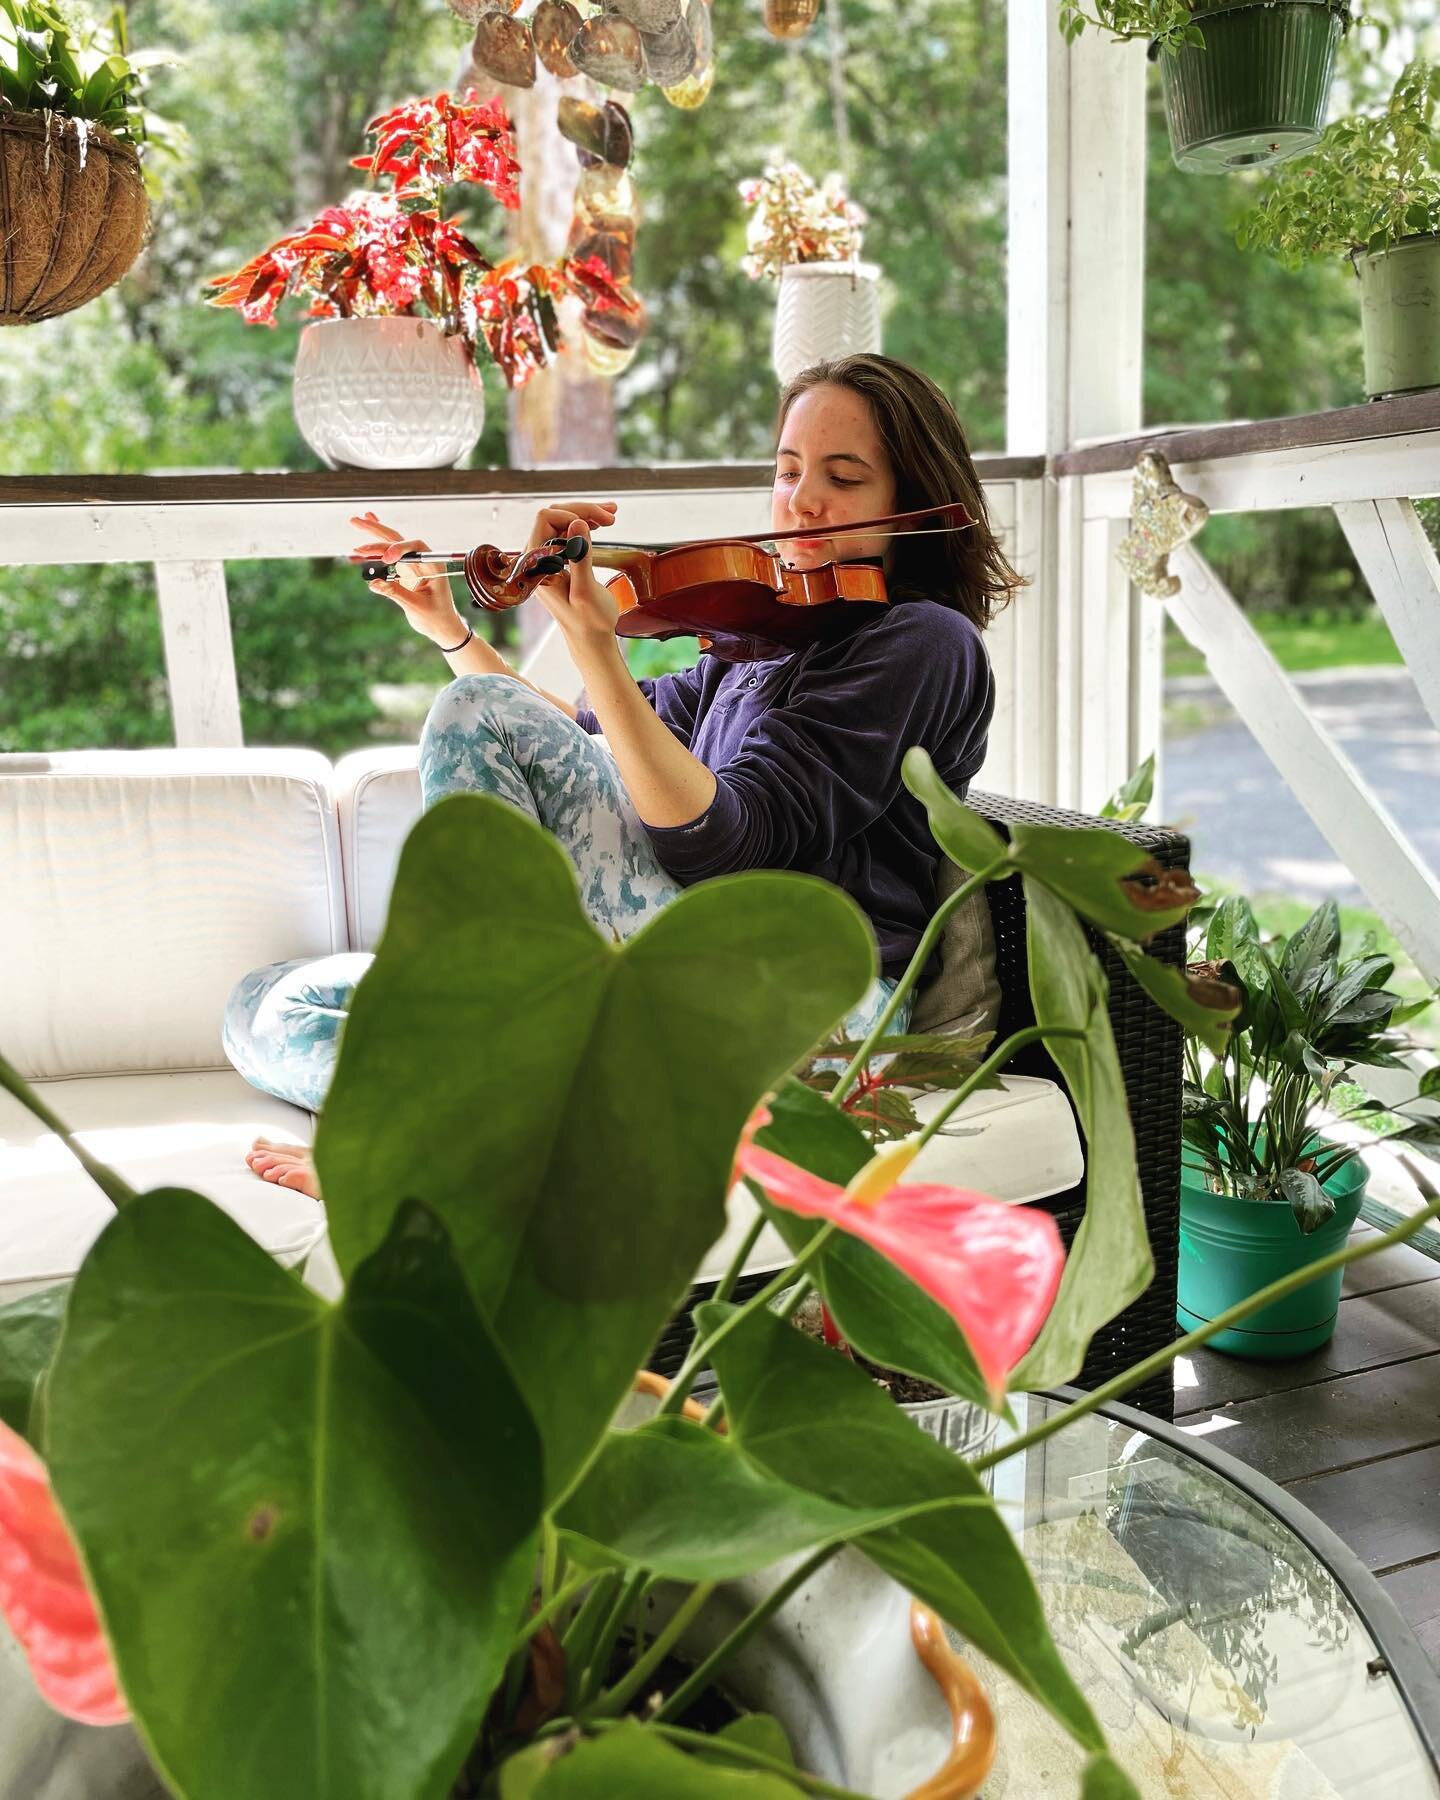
(387, 252)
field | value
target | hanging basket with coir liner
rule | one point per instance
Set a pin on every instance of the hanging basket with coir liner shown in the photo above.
(72, 214)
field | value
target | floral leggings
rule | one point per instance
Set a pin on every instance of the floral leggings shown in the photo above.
(487, 734)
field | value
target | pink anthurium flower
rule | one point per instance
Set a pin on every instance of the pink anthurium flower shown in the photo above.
(43, 1595)
(993, 1267)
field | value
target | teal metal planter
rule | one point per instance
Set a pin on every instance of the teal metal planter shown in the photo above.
(1400, 315)
(1258, 92)
(1230, 1249)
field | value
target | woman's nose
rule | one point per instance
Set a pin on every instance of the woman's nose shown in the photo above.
(805, 500)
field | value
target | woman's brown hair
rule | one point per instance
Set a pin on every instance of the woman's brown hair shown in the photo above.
(930, 460)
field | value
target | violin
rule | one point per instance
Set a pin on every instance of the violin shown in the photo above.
(743, 601)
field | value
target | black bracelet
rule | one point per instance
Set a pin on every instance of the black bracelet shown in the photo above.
(460, 646)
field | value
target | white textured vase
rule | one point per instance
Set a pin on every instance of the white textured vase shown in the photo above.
(390, 393)
(824, 310)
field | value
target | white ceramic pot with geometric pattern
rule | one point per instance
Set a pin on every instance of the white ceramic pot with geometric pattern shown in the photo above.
(386, 393)
(824, 310)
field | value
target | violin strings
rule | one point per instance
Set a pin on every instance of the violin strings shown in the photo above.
(613, 544)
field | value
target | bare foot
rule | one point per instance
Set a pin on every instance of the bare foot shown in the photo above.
(287, 1165)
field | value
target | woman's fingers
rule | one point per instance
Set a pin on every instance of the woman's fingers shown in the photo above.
(368, 522)
(557, 521)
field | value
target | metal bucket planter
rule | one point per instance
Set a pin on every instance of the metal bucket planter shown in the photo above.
(386, 393)
(1400, 315)
(1258, 92)
(824, 310)
(1230, 1249)
(73, 214)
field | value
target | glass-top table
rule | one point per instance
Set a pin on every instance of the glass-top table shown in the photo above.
(1231, 1645)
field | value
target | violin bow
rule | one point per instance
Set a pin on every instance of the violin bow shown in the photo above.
(602, 551)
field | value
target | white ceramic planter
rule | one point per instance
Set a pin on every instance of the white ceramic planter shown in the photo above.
(45, 1757)
(824, 310)
(390, 393)
(838, 1668)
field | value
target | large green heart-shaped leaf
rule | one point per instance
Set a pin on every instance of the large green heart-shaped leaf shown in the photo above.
(310, 1528)
(812, 1419)
(570, 1106)
(677, 1499)
(1109, 1263)
(877, 1306)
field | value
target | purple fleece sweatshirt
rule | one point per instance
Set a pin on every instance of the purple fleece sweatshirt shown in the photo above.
(807, 750)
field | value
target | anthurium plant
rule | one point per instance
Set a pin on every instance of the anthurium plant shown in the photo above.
(1313, 1016)
(398, 1524)
(389, 250)
(1373, 179)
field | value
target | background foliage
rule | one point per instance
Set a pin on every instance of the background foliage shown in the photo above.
(275, 96)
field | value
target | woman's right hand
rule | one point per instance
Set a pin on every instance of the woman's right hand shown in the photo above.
(420, 590)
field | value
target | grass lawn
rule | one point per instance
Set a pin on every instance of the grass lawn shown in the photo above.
(1299, 641)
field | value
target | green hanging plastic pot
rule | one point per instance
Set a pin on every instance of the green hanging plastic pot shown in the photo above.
(1400, 315)
(1259, 90)
(1230, 1249)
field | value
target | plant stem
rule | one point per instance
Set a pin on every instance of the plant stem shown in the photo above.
(1032, 1034)
(115, 1189)
(625, 1690)
(700, 1352)
(907, 981)
(549, 1557)
(555, 1604)
(726, 1286)
(696, 1683)
(592, 1678)
(1153, 1365)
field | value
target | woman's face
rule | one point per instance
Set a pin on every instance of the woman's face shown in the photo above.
(830, 469)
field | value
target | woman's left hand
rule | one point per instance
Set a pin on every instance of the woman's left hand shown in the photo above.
(576, 599)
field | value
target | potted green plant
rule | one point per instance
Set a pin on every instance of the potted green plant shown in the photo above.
(807, 237)
(73, 130)
(388, 1543)
(1247, 82)
(402, 301)
(1370, 190)
(1264, 1190)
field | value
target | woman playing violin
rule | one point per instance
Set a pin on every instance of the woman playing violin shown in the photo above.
(790, 763)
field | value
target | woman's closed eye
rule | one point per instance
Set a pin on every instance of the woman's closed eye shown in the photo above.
(835, 480)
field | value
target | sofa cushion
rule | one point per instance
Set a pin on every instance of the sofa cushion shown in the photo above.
(1016, 1142)
(174, 1130)
(140, 885)
(964, 998)
(377, 800)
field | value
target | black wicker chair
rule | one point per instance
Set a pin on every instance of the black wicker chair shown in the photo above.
(1150, 1047)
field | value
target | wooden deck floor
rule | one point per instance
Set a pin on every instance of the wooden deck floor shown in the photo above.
(1352, 1431)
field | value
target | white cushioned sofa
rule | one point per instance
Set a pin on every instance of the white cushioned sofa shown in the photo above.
(137, 886)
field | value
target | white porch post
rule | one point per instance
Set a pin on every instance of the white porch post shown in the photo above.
(199, 653)
(1076, 261)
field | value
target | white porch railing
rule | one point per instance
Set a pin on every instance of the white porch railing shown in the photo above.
(1077, 657)
(188, 527)
(1367, 462)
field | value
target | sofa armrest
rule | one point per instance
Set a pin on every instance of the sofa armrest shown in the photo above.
(1150, 1046)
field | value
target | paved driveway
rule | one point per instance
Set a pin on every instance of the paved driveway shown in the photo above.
(1249, 829)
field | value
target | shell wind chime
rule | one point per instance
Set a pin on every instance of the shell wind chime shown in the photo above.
(622, 44)
(790, 18)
